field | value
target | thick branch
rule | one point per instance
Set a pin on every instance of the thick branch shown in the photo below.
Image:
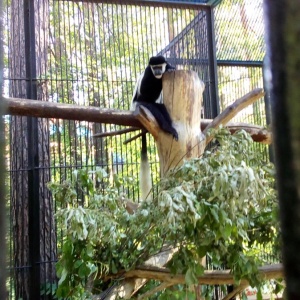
(42, 109)
(237, 290)
(132, 284)
(210, 277)
(215, 277)
(232, 110)
(258, 133)
(149, 293)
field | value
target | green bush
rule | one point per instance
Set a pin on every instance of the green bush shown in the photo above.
(221, 205)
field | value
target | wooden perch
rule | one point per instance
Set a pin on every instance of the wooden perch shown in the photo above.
(210, 277)
(134, 138)
(258, 133)
(130, 285)
(43, 109)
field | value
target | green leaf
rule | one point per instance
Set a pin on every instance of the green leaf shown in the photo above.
(68, 247)
(190, 277)
(244, 296)
(113, 267)
(78, 263)
(227, 231)
(63, 276)
(83, 271)
(202, 251)
(117, 181)
(100, 174)
(215, 214)
(198, 270)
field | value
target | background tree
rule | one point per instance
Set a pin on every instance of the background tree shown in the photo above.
(29, 159)
(3, 274)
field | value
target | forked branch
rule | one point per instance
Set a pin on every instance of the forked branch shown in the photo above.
(232, 110)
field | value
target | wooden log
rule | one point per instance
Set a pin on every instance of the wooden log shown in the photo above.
(43, 109)
(182, 91)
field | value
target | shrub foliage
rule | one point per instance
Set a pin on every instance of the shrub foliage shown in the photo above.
(221, 205)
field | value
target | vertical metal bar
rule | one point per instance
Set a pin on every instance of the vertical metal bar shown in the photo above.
(212, 61)
(33, 159)
(267, 99)
(3, 265)
(283, 46)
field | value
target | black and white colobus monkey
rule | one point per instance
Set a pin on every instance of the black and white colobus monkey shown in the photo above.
(148, 93)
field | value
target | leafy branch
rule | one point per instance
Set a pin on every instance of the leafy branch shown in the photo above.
(210, 206)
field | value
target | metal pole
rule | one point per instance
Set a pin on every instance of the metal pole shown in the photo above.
(267, 99)
(283, 48)
(3, 265)
(213, 73)
(33, 158)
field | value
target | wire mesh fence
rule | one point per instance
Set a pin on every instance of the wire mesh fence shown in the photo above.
(91, 54)
(240, 51)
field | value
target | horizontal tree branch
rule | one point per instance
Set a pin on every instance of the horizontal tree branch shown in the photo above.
(43, 109)
(130, 285)
(114, 133)
(214, 277)
(258, 133)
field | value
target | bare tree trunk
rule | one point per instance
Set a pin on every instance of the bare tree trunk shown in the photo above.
(182, 92)
(47, 225)
(20, 154)
(3, 219)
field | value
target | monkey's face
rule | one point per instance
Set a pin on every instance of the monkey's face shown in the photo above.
(158, 70)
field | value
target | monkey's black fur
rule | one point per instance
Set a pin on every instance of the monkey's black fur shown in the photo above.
(149, 90)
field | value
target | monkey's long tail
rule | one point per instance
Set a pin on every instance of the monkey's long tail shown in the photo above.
(145, 172)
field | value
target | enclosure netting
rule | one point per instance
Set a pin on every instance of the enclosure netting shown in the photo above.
(91, 54)
(240, 51)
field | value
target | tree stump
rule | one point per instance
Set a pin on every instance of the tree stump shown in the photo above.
(182, 96)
